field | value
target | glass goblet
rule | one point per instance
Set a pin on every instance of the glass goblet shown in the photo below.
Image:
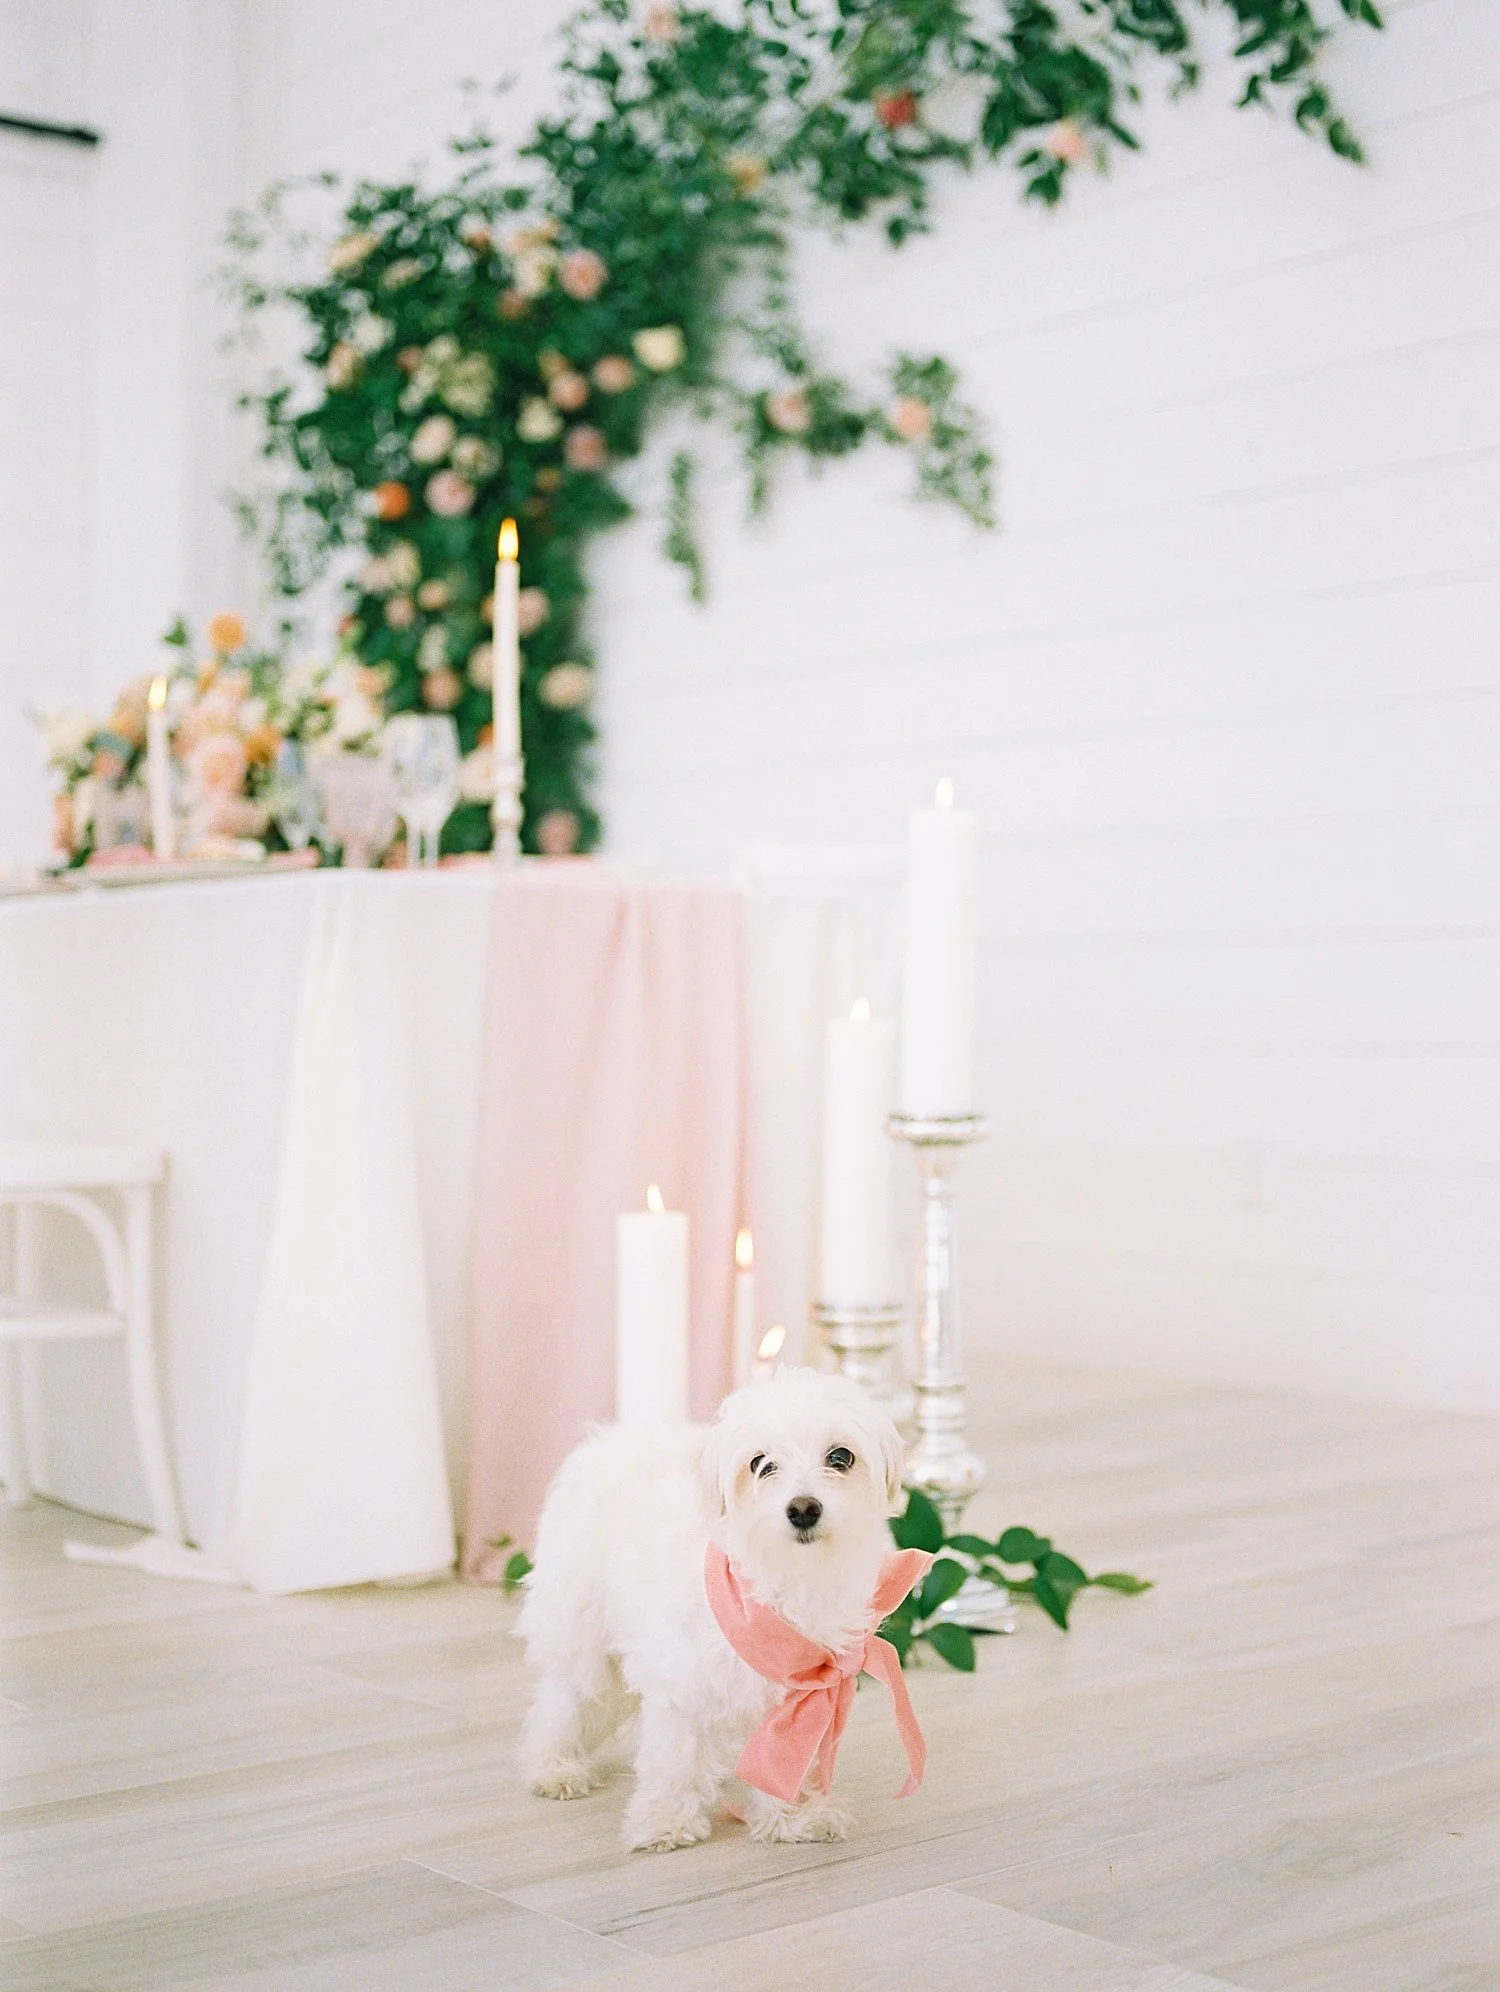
(421, 751)
(358, 806)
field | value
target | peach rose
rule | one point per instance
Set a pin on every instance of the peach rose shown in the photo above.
(910, 418)
(262, 745)
(584, 448)
(568, 391)
(482, 666)
(512, 304)
(582, 274)
(896, 109)
(390, 501)
(434, 595)
(747, 170)
(227, 631)
(349, 253)
(401, 612)
(613, 374)
(660, 24)
(660, 347)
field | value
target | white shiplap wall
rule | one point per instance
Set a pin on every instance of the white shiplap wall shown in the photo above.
(46, 251)
(1224, 687)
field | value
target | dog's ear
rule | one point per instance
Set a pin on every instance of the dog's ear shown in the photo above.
(892, 1460)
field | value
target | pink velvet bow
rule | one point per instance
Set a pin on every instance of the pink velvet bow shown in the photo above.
(807, 1724)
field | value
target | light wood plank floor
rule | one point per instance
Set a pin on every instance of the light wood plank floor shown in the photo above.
(1281, 1769)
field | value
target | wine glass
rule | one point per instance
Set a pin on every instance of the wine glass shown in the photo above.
(293, 797)
(421, 751)
(358, 806)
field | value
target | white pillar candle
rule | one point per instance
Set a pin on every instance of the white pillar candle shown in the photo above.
(159, 771)
(506, 683)
(651, 1319)
(744, 1306)
(937, 1013)
(856, 1266)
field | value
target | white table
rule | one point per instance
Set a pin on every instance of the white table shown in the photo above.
(304, 1049)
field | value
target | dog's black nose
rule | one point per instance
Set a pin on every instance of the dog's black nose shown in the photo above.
(804, 1512)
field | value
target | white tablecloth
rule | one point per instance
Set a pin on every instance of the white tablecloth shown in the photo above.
(304, 1051)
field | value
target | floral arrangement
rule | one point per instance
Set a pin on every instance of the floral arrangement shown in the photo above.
(501, 347)
(229, 714)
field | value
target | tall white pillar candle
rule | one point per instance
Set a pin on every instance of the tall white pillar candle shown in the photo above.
(856, 1265)
(744, 1307)
(159, 771)
(937, 1012)
(651, 1317)
(506, 684)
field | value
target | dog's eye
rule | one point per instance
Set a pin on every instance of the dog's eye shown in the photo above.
(840, 1459)
(760, 1466)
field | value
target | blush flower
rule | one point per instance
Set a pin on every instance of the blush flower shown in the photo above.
(449, 495)
(557, 833)
(613, 374)
(582, 274)
(747, 170)
(442, 689)
(910, 418)
(568, 391)
(433, 439)
(1066, 141)
(790, 411)
(532, 610)
(434, 595)
(482, 666)
(896, 109)
(659, 23)
(390, 501)
(584, 448)
(219, 764)
(566, 686)
(401, 612)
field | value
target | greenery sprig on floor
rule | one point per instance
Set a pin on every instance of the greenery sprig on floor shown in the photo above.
(1055, 1580)
(502, 344)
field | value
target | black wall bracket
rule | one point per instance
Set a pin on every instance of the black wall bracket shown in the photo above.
(44, 128)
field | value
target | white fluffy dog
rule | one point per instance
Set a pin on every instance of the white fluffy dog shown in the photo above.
(796, 1479)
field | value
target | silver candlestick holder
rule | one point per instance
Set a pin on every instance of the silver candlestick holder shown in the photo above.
(864, 1339)
(505, 810)
(941, 1465)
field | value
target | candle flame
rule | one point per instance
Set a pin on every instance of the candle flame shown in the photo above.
(770, 1344)
(156, 698)
(653, 1200)
(510, 541)
(744, 1250)
(944, 797)
(860, 1011)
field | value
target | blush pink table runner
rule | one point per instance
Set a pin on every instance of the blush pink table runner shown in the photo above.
(615, 1056)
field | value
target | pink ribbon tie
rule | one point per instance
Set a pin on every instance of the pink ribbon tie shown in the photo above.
(806, 1725)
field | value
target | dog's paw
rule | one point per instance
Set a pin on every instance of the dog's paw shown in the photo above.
(569, 1779)
(661, 1832)
(817, 1819)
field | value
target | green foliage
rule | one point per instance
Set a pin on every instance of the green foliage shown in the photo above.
(517, 1567)
(682, 155)
(1054, 1583)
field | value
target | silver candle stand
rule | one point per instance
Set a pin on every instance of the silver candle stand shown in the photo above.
(505, 810)
(941, 1465)
(864, 1341)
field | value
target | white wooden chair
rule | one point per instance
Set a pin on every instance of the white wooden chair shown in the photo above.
(38, 1175)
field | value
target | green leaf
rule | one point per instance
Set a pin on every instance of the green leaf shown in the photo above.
(1121, 1580)
(516, 1569)
(953, 1643)
(944, 1578)
(1054, 1603)
(921, 1527)
(1021, 1546)
(1061, 1572)
(970, 1545)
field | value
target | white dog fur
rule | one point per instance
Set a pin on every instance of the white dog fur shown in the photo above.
(616, 1614)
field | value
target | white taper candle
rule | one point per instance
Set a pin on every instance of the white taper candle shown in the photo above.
(856, 1266)
(651, 1320)
(937, 1014)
